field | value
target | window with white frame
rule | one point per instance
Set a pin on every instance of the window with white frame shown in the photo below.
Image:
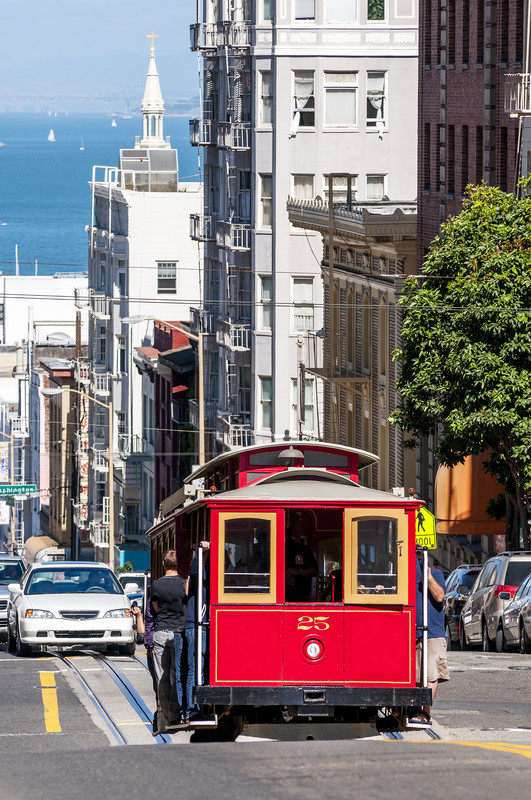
(341, 99)
(268, 10)
(166, 277)
(266, 201)
(341, 11)
(266, 396)
(266, 98)
(340, 187)
(376, 100)
(266, 301)
(244, 195)
(302, 187)
(303, 405)
(303, 100)
(376, 10)
(375, 187)
(303, 307)
(102, 344)
(304, 9)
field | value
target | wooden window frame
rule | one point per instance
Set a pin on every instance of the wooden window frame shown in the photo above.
(255, 598)
(350, 549)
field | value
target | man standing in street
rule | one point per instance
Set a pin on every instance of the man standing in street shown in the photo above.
(437, 663)
(168, 597)
(192, 710)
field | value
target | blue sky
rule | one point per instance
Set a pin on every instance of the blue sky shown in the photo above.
(95, 45)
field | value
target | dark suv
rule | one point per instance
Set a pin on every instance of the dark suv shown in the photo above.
(493, 591)
(459, 584)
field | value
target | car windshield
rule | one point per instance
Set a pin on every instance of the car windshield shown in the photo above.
(468, 579)
(75, 580)
(516, 572)
(10, 572)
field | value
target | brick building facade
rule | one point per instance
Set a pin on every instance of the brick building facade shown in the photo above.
(465, 136)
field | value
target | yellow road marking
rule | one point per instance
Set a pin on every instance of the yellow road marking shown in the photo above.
(49, 701)
(501, 747)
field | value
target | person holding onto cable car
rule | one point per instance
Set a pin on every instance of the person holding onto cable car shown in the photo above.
(437, 663)
(192, 710)
(168, 597)
(301, 567)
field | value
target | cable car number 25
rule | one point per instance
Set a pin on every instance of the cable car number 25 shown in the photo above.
(317, 623)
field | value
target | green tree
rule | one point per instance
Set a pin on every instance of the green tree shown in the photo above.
(466, 342)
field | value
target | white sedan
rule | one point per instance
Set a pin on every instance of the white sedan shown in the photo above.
(69, 603)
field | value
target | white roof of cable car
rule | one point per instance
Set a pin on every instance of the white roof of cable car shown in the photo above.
(307, 490)
(365, 459)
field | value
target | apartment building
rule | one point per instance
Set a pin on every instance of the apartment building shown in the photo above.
(293, 91)
(142, 266)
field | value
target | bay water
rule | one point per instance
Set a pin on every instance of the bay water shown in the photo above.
(45, 199)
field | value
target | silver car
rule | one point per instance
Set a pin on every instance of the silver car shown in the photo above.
(492, 592)
(516, 619)
(69, 604)
(11, 571)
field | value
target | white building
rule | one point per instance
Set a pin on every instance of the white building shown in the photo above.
(142, 265)
(293, 91)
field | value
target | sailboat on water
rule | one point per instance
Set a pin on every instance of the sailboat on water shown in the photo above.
(51, 136)
(82, 144)
(113, 123)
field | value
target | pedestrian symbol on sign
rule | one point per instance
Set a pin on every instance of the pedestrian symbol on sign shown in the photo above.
(425, 529)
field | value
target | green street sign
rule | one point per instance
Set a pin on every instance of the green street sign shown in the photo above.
(17, 489)
(425, 529)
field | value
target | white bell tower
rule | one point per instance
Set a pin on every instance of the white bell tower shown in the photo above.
(152, 106)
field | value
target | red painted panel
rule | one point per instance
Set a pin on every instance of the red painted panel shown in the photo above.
(324, 627)
(379, 647)
(247, 646)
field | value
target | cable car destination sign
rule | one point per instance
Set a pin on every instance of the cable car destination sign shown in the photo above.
(17, 488)
(425, 535)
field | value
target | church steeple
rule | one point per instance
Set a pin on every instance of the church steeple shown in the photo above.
(152, 105)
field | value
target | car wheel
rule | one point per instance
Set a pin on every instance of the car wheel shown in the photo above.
(11, 641)
(127, 649)
(486, 644)
(501, 642)
(23, 650)
(448, 634)
(525, 644)
(462, 635)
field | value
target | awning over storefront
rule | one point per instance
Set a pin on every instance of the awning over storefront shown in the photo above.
(461, 496)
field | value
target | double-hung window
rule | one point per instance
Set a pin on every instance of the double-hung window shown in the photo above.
(341, 11)
(303, 100)
(166, 277)
(340, 187)
(266, 392)
(376, 100)
(266, 200)
(268, 10)
(341, 99)
(302, 187)
(305, 9)
(375, 187)
(266, 98)
(302, 406)
(303, 308)
(266, 298)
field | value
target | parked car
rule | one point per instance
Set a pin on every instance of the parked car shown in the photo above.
(458, 586)
(493, 590)
(128, 578)
(69, 603)
(11, 571)
(516, 619)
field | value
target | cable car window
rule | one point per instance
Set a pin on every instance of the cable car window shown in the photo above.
(318, 458)
(375, 570)
(247, 558)
(269, 458)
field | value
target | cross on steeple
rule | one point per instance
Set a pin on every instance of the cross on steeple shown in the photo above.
(152, 36)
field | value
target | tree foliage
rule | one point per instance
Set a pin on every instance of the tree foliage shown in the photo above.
(466, 341)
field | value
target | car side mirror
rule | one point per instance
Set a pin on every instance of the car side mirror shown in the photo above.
(131, 587)
(463, 589)
(504, 596)
(14, 588)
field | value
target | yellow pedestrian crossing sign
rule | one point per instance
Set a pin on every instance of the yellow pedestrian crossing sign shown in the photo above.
(425, 535)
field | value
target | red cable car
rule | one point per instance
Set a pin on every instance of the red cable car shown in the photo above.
(311, 580)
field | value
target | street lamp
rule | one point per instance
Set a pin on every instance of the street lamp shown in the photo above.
(51, 392)
(196, 337)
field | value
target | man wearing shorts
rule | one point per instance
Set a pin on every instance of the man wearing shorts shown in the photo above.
(437, 664)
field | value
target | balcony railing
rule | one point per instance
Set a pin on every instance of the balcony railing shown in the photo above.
(236, 35)
(99, 534)
(82, 442)
(81, 515)
(234, 434)
(81, 297)
(518, 94)
(201, 132)
(233, 236)
(100, 383)
(201, 228)
(19, 427)
(234, 135)
(193, 407)
(203, 36)
(100, 461)
(236, 336)
(203, 320)
(130, 445)
(100, 306)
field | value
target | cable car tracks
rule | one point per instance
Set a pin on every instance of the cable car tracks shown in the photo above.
(128, 691)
